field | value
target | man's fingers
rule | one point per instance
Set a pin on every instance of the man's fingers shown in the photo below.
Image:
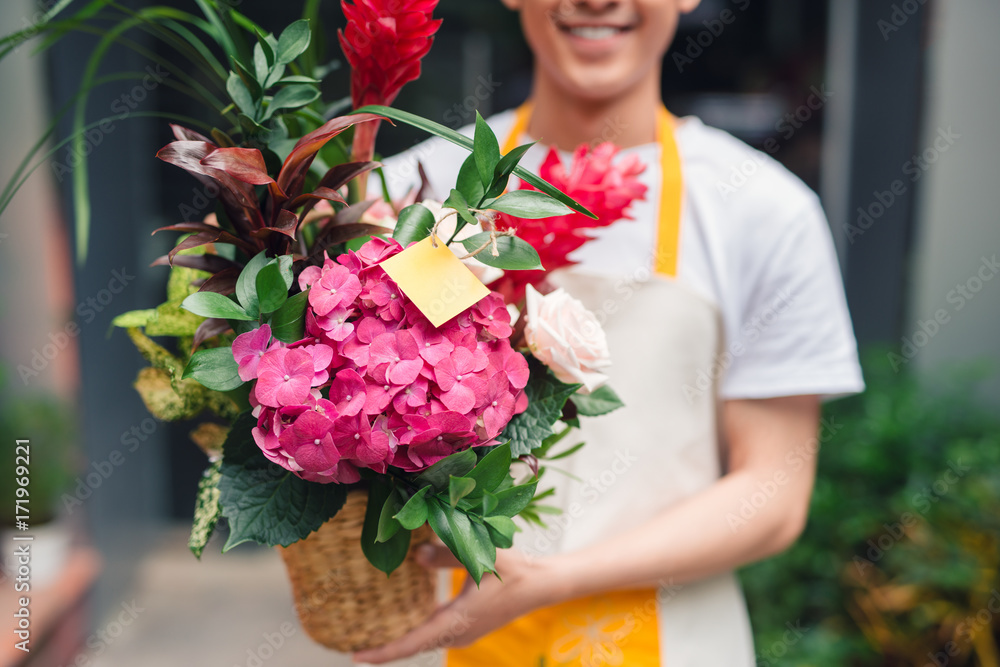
(425, 637)
(436, 555)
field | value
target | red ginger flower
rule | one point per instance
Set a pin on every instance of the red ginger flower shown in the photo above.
(384, 42)
(594, 179)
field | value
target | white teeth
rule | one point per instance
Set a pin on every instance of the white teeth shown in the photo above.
(594, 32)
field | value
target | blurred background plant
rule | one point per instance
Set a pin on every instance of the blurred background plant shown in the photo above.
(50, 424)
(899, 562)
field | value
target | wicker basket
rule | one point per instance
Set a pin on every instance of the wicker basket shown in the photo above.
(343, 602)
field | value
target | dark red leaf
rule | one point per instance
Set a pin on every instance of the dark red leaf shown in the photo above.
(343, 174)
(186, 227)
(223, 282)
(245, 164)
(296, 166)
(188, 156)
(210, 263)
(194, 241)
(313, 197)
(352, 213)
(342, 233)
(186, 134)
(210, 328)
(221, 235)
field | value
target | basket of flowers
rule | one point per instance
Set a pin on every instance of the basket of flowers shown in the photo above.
(361, 390)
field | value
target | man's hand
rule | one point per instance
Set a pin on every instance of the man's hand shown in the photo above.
(475, 611)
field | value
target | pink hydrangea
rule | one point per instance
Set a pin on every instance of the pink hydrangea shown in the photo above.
(374, 384)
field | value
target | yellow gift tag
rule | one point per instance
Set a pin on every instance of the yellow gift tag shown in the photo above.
(435, 280)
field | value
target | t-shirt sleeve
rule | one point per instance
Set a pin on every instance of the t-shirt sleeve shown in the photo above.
(794, 333)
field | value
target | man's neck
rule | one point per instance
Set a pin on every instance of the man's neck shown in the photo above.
(566, 122)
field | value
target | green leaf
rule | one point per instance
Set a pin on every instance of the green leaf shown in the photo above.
(468, 182)
(599, 402)
(277, 73)
(285, 266)
(240, 94)
(385, 556)
(546, 397)
(455, 529)
(569, 452)
(457, 201)
(272, 292)
(515, 252)
(387, 523)
(293, 42)
(261, 62)
(212, 304)
(414, 512)
(414, 224)
(249, 125)
(486, 151)
(501, 530)
(265, 503)
(246, 284)
(458, 488)
(528, 204)
(266, 49)
(454, 137)
(504, 168)
(491, 471)
(214, 368)
(134, 318)
(249, 80)
(291, 97)
(489, 502)
(514, 499)
(206, 510)
(288, 323)
(297, 78)
(437, 475)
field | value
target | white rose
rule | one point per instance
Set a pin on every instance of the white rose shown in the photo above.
(486, 274)
(567, 338)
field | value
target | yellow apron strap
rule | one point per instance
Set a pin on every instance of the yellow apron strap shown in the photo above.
(671, 197)
(671, 188)
(521, 118)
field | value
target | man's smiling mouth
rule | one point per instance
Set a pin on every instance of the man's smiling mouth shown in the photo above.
(594, 32)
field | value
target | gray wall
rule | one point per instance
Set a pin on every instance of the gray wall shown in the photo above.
(958, 234)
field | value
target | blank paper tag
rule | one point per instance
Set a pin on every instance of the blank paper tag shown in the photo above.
(435, 280)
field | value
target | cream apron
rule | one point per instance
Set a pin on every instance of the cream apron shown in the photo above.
(659, 449)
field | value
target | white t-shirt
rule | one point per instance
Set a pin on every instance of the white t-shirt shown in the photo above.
(754, 242)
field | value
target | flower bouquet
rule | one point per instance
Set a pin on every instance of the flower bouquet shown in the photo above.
(363, 390)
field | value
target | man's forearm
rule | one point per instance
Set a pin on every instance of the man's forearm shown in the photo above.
(694, 539)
